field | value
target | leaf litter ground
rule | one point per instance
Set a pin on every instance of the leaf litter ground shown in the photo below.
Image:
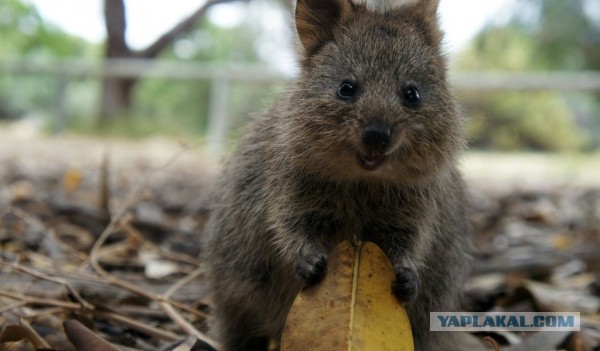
(99, 247)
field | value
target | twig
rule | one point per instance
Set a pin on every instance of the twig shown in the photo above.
(139, 326)
(177, 318)
(45, 312)
(181, 282)
(116, 220)
(184, 307)
(32, 336)
(43, 276)
(493, 343)
(167, 295)
(177, 257)
(142, 311)
(104, 187)
(186, 326)
(104, 274)
(40, 301)
(82, 276)
(13, 306)
(120, 219)
(111, 279)
(37, 224)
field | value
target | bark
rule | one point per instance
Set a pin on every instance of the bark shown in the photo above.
(116, 92)
(117, 97)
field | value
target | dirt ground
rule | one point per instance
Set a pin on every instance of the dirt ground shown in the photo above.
(105, 232)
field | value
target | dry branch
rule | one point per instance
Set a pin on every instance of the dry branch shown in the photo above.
(40, 275)
(137, 325)
(40, 301)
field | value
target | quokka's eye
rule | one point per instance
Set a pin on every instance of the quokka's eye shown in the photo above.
(411, 95)
(346, 91)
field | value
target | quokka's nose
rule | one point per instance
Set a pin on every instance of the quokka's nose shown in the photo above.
(376, 136)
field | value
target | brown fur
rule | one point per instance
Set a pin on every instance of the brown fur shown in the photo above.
(294, 186)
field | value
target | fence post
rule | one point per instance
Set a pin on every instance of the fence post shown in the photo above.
(218, 116)
(60, 111)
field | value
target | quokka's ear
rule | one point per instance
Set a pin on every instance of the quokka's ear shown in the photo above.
(316, 21)
(431, 6)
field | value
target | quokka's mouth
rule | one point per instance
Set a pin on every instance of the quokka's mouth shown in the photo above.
(370, 162)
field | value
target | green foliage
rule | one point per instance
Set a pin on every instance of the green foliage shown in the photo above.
(182, 104)
(507, 48)
(160, 105)
(568, 38)
(561, 37)
(186, 104)
(25, 35)
(513, 121)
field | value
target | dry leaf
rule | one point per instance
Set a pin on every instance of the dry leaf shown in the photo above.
(551, 298)
(84, 339)
(22, 345)
(32, 336)
(21, 338)
(71, 180)
(562, 242)
(21, 190)
(542, 341)
(75, 236)
(352, 309)
(159, 269)
(573, 343)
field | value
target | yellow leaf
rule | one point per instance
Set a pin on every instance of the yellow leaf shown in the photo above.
(562, 242)
(22, 191)
(352, 309)
(72, 180)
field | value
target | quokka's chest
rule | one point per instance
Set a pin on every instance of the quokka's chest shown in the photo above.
(364, 214)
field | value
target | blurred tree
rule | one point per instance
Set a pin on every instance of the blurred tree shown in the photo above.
(541, 35)
(568, 34)
(187, 102)
(117, 92)
(25, 34)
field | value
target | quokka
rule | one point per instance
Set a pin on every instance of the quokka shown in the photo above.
(362, 146)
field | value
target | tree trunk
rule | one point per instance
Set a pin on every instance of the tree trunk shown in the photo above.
(117, 97)
(117, 93)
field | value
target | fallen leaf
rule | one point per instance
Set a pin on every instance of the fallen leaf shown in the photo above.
(11, 333)
(352, 308)
(32, 336)
(21, 338)
(550, 298)
(562, 242)
(542, 341)
(158, 269)
(71, 180)
(74, 236)
(21, 190)
(84, 339)
(573, 343)
(22, 345)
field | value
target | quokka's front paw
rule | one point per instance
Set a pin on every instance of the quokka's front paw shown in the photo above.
(311, 268)
(406, 285)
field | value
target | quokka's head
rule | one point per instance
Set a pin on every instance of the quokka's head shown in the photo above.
(372, 100)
